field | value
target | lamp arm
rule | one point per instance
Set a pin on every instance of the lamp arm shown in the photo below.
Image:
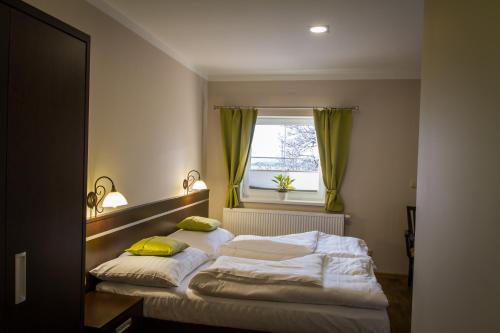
(113, 188)
(96, 197)
(190, 179)
(194, 171)
(100, 193)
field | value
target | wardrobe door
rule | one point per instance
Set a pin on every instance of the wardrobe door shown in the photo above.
(46, 172)
(4, 56)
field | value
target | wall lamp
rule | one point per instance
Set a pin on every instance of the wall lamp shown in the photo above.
(193, 182)
(112, 199)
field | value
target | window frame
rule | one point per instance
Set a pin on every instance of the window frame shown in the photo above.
(296, 197)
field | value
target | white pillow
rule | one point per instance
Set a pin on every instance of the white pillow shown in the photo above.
(207, 241)
(151, 271)
(341, 246)
(271, 247)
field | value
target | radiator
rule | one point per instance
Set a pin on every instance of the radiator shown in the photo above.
(244, 221)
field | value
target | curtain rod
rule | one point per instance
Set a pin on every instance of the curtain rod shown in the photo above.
(354, 108)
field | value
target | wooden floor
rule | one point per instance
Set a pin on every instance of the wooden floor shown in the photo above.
(399, 295)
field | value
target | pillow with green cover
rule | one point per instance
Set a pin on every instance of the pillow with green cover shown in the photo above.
(198, 223)
(157, 246)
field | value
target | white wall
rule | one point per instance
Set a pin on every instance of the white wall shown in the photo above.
(457, 269)
(146, 109)
(383, 153)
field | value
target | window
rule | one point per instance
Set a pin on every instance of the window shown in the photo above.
(283, 145)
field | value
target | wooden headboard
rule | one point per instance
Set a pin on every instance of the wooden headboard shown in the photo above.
(110, 234)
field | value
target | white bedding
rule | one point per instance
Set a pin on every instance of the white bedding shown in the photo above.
(341, 246)
(301, 271)
(295, 245)
(151, 270)
(342, 281)
(184, 305)
(209, 241)
(271, 247)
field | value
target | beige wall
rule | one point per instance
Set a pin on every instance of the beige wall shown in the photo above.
(383, 158)
(457, 269)
(145, 108)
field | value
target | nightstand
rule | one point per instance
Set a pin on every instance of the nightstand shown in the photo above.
(105, 312)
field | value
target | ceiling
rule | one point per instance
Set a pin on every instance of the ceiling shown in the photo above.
(269, 39)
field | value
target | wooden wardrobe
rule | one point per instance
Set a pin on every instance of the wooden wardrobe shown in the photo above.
(44, 75)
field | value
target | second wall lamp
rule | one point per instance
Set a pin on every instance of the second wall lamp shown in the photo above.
(193, 182)
(112, 199)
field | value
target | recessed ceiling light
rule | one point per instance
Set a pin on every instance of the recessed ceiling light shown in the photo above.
(319, 29)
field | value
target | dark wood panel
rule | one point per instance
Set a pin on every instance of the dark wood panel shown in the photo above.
(47, 19)
(83, 227)
(110, 246)
(129, 215)
(46, 169)
(103, 310)
(4, 65)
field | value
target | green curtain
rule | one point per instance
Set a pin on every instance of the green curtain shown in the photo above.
(333, 131)
(237, 127)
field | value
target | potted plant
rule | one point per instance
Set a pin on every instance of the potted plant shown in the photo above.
(284, 185)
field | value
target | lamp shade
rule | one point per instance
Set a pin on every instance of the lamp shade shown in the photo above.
(199, 185)
(114, 199)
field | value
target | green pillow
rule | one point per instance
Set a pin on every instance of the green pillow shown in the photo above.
(198, 223)
(157, 246)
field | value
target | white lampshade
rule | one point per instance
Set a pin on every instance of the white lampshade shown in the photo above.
(199, 185)
(114, 199)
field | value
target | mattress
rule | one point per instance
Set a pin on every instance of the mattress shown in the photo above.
(182, 304)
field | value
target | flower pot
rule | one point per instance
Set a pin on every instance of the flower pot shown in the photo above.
(282, 195)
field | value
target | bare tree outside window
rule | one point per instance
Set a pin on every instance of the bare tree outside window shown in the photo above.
(299, 146)
(298, 149)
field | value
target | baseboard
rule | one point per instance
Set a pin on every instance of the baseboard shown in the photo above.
(393, 275)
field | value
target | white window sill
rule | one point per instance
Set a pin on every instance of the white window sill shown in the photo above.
(283, 202)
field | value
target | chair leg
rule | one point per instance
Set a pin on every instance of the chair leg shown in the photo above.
(410, 274)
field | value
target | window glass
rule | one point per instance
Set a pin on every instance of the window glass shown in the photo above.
(284, 146)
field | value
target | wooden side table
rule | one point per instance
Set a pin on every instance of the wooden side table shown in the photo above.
(105, 312)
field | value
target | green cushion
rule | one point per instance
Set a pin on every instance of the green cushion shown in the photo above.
(157, 246)
(198, 223)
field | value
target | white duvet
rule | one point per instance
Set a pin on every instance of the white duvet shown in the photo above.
(341, 246)
(271, 247)
(294, 245)
(302, 271)
(344, 281)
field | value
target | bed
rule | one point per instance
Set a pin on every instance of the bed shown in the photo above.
(184, 305)
(181, 306)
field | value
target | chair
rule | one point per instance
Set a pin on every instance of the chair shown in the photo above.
(410, 241)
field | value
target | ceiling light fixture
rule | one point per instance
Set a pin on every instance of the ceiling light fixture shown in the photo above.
(319, 29)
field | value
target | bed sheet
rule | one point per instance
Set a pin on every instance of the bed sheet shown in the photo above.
(182, 304)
